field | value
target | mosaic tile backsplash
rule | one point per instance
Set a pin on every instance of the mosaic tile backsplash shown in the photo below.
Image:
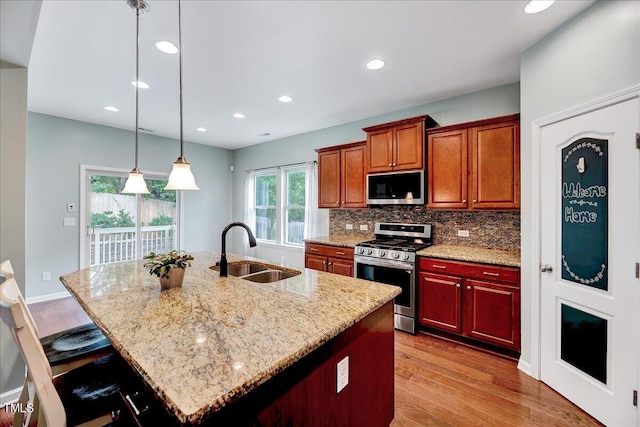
(487, 229)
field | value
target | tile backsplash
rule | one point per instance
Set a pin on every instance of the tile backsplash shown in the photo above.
(487, 229)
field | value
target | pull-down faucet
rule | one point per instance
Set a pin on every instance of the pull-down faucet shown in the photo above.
(223, 256)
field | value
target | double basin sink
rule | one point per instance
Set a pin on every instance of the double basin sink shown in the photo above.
(258, 272)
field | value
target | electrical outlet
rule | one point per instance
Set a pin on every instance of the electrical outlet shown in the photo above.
(342, 374)
(349, 226)
(46, 275)
(71, 207)
(463, 233)
(69, 222)
(364, 227)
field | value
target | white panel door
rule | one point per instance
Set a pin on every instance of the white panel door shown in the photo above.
(590, 244)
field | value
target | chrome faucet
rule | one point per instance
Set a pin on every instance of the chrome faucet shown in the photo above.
(223, 257)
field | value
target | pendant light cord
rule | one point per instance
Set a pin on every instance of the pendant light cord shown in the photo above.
(180, 66)
(137, 79)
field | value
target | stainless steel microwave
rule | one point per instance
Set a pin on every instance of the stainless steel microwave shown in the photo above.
(396, 188)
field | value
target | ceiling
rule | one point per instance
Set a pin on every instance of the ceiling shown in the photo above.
(240, 56)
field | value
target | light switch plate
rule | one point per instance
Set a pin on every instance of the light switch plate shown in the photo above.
(364, 227)
(71, 207)
(349, 226)
(463, 233)
(46, 275)
(69, 222)
(343, 374)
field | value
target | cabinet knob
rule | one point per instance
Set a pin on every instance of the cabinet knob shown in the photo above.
(390, 164)
(457, 285)
(475, 201)
(338, 202)
(464, 201)
(394, 164)
(468, 288)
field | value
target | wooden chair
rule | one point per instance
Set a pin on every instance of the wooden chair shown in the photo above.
(89, 393)
(70, 348)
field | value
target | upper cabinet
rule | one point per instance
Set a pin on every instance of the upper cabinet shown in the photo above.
(397, 146)
(475, 165)
(341, 176)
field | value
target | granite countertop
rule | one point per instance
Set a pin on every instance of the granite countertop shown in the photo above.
(337, 240)
(463, 253)
(215, 339)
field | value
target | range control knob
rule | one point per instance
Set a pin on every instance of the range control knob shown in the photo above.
(382, 253)
(406, 256)
(396, 255)
(369, 251)
(361, 250)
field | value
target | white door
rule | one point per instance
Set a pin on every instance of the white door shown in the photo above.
(590, 303)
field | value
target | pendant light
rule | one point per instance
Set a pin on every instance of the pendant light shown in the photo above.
(135, 183)
(181, 177)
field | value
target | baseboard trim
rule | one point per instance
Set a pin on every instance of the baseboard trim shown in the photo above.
(49, 297)
(10, 396)
(525, 367)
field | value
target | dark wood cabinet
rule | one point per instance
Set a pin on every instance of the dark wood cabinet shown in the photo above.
(398, 145)
(475, 165)
(332, 259)
(478, 301)
(341, 176)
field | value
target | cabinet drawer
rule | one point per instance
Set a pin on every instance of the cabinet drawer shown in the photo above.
(326, 250)
(472, 270)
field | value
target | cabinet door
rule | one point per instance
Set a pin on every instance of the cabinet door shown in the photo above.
(329, 179)
(408, 146)
(495, 166)
(315, 262)
(343, 267)
(447, 170)
(440, 300)
(380, 150)
(492, 313)
(353, 177)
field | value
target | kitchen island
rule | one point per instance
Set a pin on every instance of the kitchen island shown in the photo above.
(222, 350)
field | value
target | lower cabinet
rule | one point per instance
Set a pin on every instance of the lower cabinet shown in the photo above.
(477, 301)
(332, 259)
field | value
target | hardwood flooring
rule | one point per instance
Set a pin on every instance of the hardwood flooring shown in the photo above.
(437, 382)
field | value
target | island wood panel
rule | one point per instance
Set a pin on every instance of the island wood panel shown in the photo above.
(305, 394)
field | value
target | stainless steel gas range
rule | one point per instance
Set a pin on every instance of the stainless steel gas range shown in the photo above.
(391, 259)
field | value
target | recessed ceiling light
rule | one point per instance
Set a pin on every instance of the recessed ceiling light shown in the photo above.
(285, 98)
(201, 129)
(239, 116)
(166, 47)
(110, 108)
(140, 84)
(375, 64)
(535, 6)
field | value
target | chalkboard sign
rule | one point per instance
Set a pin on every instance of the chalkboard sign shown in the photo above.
(584, 212)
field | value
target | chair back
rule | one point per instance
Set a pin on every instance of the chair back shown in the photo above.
(15, 315)
(6, 272)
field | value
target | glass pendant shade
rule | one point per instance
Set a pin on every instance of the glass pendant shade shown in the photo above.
(181, 177)
(135, 183)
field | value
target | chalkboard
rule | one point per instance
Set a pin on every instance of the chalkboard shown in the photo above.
(584, 212)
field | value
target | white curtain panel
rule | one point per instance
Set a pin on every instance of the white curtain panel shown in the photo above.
(311, 201)
(249, 209)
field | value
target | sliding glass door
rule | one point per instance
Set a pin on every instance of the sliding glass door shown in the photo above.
(122, 227)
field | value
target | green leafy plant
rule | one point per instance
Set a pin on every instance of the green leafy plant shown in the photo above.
(160, 264)
(162, 219)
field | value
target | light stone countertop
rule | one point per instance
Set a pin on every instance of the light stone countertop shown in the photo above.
(215, 339)
(338, 240)
(463, 253)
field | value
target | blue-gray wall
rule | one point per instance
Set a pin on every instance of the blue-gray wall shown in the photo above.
(55, 150)
(595, 54)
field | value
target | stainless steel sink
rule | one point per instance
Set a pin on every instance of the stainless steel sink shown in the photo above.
(269, 276)
(258, 272)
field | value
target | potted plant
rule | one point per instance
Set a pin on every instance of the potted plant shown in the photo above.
(169, 267)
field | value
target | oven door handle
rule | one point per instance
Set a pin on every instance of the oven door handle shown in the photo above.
(409, 268)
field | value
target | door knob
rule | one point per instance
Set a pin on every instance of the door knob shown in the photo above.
(546, 268)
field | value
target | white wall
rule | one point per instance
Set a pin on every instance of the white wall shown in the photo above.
(595, 54)
(13, 160)
(55, 150)
(493, 102)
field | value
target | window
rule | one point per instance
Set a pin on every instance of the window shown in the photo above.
(279, 201)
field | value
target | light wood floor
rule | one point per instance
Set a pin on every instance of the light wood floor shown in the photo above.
(437, 382)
